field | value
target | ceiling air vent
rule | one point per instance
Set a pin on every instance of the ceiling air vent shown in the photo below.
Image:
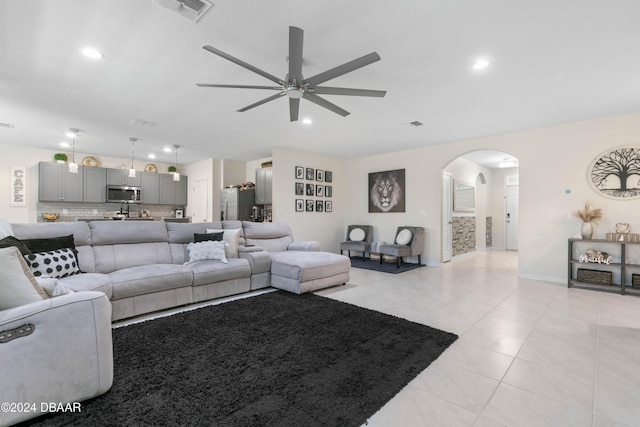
(6, 125)
(190, 9)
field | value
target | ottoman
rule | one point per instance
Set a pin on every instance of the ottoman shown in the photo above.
(302, 271)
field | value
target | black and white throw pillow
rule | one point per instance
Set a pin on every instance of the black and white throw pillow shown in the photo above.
(57, 263)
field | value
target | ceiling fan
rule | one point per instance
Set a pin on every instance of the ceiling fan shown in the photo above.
(295, 86)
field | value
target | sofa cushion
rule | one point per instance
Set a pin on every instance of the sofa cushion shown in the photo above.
(89, 282)
(146, 279)
(120, 232)
(110, 258)
(55, 263)
(272, 236)
(206, 272)
(203, 237)
(80, 230)
(16, 287)
(207, 250)
(183, 233)
(304, 266)
(232, 237)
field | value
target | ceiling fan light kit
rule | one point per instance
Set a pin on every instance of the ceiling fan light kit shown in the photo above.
(295, 86)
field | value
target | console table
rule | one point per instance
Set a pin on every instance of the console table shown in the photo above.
(623, 270)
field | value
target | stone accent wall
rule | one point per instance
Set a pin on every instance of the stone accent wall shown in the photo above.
(489, 232)
(464, 234)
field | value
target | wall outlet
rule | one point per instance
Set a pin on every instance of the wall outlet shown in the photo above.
(64, 211)
(95, 211)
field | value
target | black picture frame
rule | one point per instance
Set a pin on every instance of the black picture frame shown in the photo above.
(319, 206)
(319, 190)
(299, 172)
(299, 188)
(328, 206)
(310, 205)
(310, 191)
(328, 176)
(299, 205)
(328, 190)
(311, 174)
(319, 175)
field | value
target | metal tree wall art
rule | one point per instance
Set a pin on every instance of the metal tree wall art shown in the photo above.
(616, 173)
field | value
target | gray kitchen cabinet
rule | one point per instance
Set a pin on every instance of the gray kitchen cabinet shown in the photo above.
(150, 188)
(95, 185)
(121, 177)
(263, 186)
(173, 192)
(56, 184)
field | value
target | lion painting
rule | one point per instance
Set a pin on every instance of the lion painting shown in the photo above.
(386, 191)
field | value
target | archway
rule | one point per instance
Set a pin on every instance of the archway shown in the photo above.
(475, 213)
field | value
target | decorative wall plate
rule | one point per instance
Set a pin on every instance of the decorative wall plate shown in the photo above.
(150, 168)
(90, 161)
(616, 173)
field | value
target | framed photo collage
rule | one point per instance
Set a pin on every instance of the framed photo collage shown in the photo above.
(314, 190)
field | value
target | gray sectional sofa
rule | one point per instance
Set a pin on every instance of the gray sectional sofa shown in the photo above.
(140, 265)
(129, 269)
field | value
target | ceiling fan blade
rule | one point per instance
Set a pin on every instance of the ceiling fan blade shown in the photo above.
(239, 86)
(243, 64)
(342, 69)
(264, 101)
(294, 108)
(326, 104)
(295, 54)
(347, 91)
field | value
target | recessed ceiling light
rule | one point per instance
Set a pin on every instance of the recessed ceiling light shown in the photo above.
(167, 149)
(64, 144)
(481, 64)
(307, 121)
(152, 156)
(91, 52)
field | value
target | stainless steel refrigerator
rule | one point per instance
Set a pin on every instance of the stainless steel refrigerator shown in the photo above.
(236, 204)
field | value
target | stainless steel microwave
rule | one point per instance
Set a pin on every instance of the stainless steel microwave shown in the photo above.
(123, 193)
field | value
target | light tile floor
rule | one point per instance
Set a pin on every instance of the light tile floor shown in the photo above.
(529, 354)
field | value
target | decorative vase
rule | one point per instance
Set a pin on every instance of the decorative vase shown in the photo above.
(586, 230)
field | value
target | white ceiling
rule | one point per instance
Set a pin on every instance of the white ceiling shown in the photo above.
(552, 62)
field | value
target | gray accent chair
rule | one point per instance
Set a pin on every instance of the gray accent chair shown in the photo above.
(354, 245)
(401, 249)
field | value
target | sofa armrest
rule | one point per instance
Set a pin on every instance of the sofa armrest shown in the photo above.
(249, 249)
(304, 245)
(259, 260)
(68, 356)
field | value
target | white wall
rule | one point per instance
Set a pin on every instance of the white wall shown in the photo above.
(233, 173)
(551, 160)
(325, 227)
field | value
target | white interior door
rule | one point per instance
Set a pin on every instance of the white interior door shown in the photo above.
(200, 201)
(447, 223)
(511, 217)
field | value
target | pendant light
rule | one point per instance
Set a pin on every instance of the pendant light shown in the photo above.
(73, 166)
(176, 175)
(132, 171)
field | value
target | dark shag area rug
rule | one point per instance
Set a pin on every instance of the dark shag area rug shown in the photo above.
(385, 267)
(277, 359)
